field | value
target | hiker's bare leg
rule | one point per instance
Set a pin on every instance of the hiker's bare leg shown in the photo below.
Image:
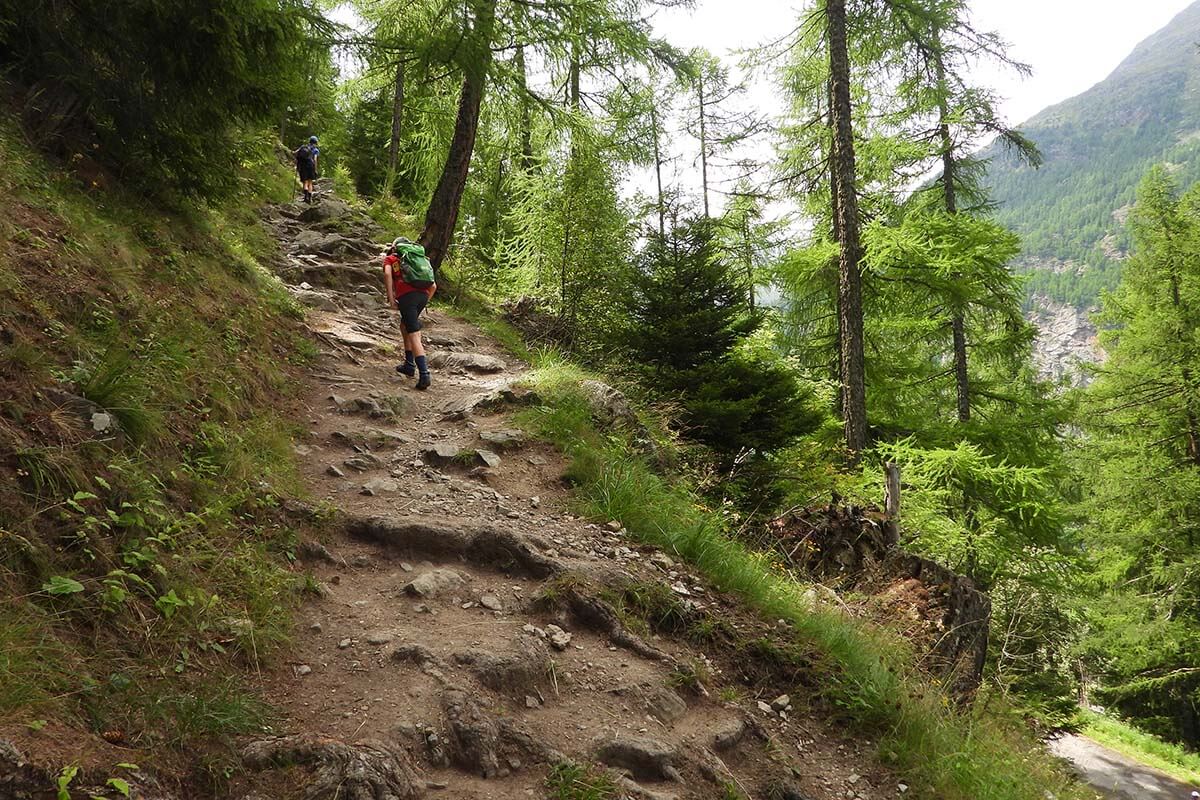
(412, 341)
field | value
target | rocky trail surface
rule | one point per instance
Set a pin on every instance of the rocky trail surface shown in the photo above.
(470, 631)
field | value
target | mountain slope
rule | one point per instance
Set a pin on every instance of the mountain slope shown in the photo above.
(1097, 146)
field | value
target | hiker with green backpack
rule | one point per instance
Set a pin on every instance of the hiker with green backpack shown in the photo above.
(410, 286)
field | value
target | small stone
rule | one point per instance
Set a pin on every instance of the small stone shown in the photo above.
(441, 453)
(436, 784)
(559, 639)
(343, 644)
(781, 703)
(513, 515)
(377, 485)
(379, 638)
(614, 526)
(315, 627)
(491, 602)
(303, 669)
(335, 471)
(903, 787)
(537, 461)
(854, 778)
(531, 701)
(301, 450)
(663, 561)
(407, 567)
(764, 707)
(680, 589)
(489, 459)
(666, 706)
(503, 438)
(535, 502)
(363, 462)
(360, 561)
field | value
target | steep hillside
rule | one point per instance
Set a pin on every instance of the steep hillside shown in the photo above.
(1097, 146)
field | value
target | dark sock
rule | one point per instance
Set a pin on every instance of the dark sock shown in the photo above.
(408, 358)
(422, 366)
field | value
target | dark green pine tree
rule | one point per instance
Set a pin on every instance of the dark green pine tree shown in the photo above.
(688, 320)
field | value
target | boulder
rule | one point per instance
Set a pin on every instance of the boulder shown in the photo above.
(666, 706)
(433, 583)
(472, 362)
(329, 208)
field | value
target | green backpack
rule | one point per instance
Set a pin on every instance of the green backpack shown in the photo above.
(416, 270)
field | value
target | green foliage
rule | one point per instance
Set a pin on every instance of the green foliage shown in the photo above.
(161, 92)
(686, 315)
(1142, 463)
(570, 781)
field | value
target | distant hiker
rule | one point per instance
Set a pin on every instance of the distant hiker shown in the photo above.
(306, 166)
(410, 286)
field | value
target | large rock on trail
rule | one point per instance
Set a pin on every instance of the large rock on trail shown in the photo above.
(472, 362)
(434, 583)
(327, 209)
(520, 671)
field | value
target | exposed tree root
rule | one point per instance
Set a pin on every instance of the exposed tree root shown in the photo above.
(369, 771)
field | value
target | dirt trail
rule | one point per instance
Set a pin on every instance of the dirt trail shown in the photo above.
(1115, 774)
(432, 663)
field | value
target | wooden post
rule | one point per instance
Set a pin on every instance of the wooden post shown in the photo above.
(892, 504)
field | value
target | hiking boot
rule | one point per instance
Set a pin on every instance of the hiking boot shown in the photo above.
(407, 370)
(423, 382)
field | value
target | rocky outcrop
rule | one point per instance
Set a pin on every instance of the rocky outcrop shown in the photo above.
(1066, 339)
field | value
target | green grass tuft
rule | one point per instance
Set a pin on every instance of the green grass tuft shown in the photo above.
(570, 781)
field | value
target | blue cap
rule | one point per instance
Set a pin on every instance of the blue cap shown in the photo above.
(312, 140)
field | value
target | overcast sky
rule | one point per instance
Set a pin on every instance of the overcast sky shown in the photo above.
(1071, 44)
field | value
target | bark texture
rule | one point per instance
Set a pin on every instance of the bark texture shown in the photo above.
(442, 215)
(850, 311)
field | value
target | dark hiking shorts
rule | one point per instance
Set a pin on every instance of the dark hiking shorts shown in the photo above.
(410, 306)
(307, 172)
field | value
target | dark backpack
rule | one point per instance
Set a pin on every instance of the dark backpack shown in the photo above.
(304, 156)
(415, 269)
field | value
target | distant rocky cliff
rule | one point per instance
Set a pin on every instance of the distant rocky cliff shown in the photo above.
(1066, 339)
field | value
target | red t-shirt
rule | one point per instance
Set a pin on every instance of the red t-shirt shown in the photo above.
(398, 285)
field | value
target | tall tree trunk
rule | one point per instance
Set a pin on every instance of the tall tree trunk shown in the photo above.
(569, 187)
(962, 378)
(850, 310)
(397, 120)
(526, 113)
(442, 215)
(835, 368)
(703, 145)
(662, 205)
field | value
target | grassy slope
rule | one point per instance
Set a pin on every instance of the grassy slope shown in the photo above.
(140, 580)
(1170, 758)
(941, 752)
